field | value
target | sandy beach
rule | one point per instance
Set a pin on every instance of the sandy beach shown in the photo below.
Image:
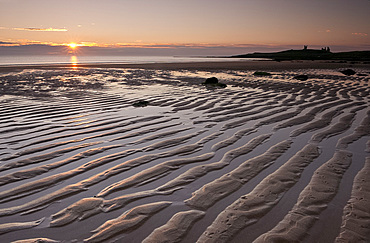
(205, 66)
(148, 153)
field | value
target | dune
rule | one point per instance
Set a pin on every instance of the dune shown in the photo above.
(265, 159)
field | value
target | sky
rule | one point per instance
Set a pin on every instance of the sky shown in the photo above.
(174, 27)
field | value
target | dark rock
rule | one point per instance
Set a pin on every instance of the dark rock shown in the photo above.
(221, 85)
(141, 103)
(348, 72)
(212, 80)
(301, 77)
(217, 85)
(261, 74)
(213, 83)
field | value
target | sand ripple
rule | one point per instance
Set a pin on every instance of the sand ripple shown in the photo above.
(261, 160)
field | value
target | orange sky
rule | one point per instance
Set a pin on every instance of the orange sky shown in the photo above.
(233, 24)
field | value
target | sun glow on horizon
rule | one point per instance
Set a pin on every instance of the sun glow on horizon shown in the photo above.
(73, 48)
(72, 45)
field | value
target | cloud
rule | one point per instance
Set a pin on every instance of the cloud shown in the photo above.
(31, 47)
(140, 44)
(6, 43)
(25, 42)
(324, 31)
(159, 46)
(41, 29)
(359, 34)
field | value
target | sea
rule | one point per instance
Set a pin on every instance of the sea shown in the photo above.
(65, 59)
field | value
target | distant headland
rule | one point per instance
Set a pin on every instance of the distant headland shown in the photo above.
(310, 54)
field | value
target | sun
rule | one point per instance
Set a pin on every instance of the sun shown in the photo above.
(72, 45)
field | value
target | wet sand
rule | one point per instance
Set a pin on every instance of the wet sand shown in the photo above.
(204, 66)
(262, 160)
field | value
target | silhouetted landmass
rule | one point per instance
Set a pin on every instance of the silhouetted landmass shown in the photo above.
(310, 54)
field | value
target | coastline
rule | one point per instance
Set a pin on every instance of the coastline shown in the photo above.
(228, 65)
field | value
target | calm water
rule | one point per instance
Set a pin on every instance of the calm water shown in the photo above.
(53, 59)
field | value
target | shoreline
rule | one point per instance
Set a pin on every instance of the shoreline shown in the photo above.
(227, 65)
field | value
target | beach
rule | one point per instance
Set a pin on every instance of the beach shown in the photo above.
(150, 153)
(206, 66)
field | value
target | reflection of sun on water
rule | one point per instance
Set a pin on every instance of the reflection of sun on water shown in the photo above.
(73, 50)
(74, 62)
